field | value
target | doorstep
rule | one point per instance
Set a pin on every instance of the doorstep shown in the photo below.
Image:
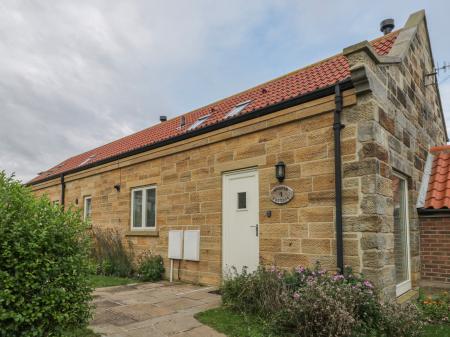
(408, 296)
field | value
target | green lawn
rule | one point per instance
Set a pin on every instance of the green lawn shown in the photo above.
(233, 324)
(98, 281)
(236, 325)
(437, 331)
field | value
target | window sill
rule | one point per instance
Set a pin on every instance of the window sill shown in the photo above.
(142, 233)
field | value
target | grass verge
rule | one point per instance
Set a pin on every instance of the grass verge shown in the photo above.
(98, 281)
(437, 330)
(233, 324)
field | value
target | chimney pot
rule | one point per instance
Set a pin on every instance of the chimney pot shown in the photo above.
(162, 118)
(387, 26)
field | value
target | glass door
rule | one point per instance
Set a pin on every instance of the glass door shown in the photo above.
(401, 234)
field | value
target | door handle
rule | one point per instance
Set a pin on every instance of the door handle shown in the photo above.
(256, 228)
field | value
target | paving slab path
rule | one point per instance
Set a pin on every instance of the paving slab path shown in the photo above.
(153, 310)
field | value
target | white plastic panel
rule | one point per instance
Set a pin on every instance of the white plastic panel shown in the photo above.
(191, 246)
(175, 244)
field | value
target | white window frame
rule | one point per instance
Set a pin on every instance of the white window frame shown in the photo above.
(85, 215)
(237, 109)
(198, 122)
(404, 286)
(144, 213)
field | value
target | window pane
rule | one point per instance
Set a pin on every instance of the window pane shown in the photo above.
(150, 208)
(400, 230)
(137, 209)
(242, 200)
(87, 209)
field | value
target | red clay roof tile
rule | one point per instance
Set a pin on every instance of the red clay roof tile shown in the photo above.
(438, 193)
(296, 83)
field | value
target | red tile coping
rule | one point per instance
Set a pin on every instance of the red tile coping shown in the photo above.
(294, 84)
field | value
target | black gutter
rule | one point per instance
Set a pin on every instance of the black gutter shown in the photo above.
(337, 127)
(433, 211)
(63, 191)
(319, 93)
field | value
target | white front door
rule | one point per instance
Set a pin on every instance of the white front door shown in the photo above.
(240, 220)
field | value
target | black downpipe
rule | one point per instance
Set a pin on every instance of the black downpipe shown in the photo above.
(337, 127)
(63, 191)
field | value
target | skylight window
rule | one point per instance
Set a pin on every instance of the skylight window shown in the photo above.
(198, 122)
(87, 160)
(237, 109)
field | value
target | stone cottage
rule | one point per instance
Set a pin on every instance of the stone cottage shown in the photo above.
(321, 164)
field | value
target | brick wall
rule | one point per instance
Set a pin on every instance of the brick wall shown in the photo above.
(435, 249)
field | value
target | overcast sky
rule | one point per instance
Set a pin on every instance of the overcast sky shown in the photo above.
(78, 74)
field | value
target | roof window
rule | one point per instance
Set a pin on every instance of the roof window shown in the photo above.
(237, 109)
(87, 160)
(198, 122)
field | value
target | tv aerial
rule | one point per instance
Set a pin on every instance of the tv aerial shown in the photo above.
(438, 70)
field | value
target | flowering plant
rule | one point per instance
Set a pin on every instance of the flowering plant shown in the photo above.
(314, 302)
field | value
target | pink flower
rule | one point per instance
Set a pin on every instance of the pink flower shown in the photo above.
(368, 284)
(299, 269)
(296, 296)
(338, 277)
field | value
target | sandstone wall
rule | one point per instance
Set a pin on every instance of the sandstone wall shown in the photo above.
(398, 119)
(189, 194)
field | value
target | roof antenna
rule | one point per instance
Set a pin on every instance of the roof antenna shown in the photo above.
(387, 26)
(437, 70)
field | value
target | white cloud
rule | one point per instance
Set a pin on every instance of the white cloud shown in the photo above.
(77, 74)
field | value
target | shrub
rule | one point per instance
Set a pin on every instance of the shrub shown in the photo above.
(150, 267)
(400, 320)
(44, 265)
(435, 308)
(312, 302)
(110, 255)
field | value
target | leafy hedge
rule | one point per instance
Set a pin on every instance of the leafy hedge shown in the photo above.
(44, 265)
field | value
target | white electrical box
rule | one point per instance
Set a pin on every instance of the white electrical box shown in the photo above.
(191, 246)
(175, 244)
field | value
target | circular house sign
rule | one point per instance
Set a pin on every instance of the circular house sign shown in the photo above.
(281, 194)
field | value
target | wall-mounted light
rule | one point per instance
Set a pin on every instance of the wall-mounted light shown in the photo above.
(280, 171)
(117, 187)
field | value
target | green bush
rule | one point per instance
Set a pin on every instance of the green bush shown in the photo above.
(312, 302)
(44, 265)
(150, 267)
(110, 255)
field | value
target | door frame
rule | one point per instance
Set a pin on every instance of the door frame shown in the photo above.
(403, 287)
(230, 173)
